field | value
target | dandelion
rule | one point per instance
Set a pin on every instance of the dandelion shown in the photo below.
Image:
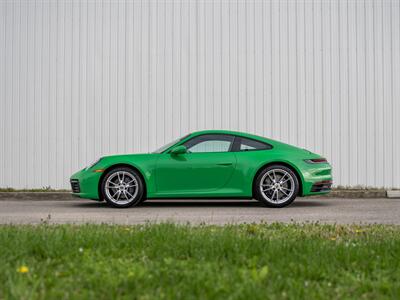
(252, 229)
(23, 269)
(359, 231)
(333, 238)
(80, 249)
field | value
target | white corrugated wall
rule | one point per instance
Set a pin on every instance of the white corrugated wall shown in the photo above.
(81, 79)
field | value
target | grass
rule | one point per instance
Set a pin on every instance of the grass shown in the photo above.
(169, 261)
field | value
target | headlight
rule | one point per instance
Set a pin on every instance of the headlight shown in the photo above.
(92, 164)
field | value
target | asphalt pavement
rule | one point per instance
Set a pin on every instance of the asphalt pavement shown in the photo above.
(80, 211)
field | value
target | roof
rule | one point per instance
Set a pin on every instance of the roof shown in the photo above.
(221, 131)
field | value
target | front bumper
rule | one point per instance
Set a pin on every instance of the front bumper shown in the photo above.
(75, 186)
(85, 183)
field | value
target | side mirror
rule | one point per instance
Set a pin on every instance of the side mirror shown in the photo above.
(179, 150)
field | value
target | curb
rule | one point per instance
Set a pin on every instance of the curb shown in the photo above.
(355, 194)
(346, 193)
(36, 196)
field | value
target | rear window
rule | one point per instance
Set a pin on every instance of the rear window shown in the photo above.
(251, 145)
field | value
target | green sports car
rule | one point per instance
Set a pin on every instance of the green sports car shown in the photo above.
(207, 164)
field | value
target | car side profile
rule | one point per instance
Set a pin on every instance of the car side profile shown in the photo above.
(207, 164)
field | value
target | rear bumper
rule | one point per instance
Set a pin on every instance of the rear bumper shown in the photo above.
(321, 186)
(317, 179)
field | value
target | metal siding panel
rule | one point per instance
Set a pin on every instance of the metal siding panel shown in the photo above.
(352, 94)
(395, 19)
(3, 70)
(234, 67)
(327, 86)
(83, 79)
(361, 104)
(275, 69)
(217, 52)
(168, 74)
(387, 99)
(292, 68)
(378, 96)
(258, 89)
(225, 64)
(301, 92)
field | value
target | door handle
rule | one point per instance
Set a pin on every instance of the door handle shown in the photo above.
(225, 164)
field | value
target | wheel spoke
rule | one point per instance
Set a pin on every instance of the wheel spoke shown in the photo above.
(273, 172)
(284, 193)
(268, 188)
(281, 180)
(273, 195)
(113, 186)
(272, 179)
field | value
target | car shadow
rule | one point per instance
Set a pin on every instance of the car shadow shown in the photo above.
(200, 203)
(206, 203)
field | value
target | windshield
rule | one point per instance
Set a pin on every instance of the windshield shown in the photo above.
(165, 147)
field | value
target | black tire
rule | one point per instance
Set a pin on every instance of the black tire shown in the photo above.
(124, 189)
(276, 187)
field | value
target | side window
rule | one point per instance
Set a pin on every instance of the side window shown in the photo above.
(210, 143)
(249, 145)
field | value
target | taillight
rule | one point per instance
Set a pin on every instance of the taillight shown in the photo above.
(316, 161)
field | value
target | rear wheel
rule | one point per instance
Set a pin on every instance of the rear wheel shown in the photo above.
(122, 187)
(276, 186)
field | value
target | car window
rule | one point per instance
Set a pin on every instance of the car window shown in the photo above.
(210, 143)
(165, 147)
(249, 145)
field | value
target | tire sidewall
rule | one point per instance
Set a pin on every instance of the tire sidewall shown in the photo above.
(139, 197)
(260, 197)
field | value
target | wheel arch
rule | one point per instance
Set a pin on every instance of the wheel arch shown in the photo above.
(119, 165)
(283, 163)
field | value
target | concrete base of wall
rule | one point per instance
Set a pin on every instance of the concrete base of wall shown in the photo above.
(393, 194)
(335, 193)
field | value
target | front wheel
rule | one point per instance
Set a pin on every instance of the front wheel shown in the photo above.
(276, 186)
(122, 187)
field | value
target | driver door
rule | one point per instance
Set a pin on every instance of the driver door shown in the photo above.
(207, 166)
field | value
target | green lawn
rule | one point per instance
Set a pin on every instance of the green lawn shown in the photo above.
(198, 262)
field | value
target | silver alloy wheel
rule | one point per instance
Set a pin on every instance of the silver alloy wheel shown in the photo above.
(121, 187)
(277, 186)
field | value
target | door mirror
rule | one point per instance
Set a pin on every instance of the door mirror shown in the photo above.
(179, 150)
